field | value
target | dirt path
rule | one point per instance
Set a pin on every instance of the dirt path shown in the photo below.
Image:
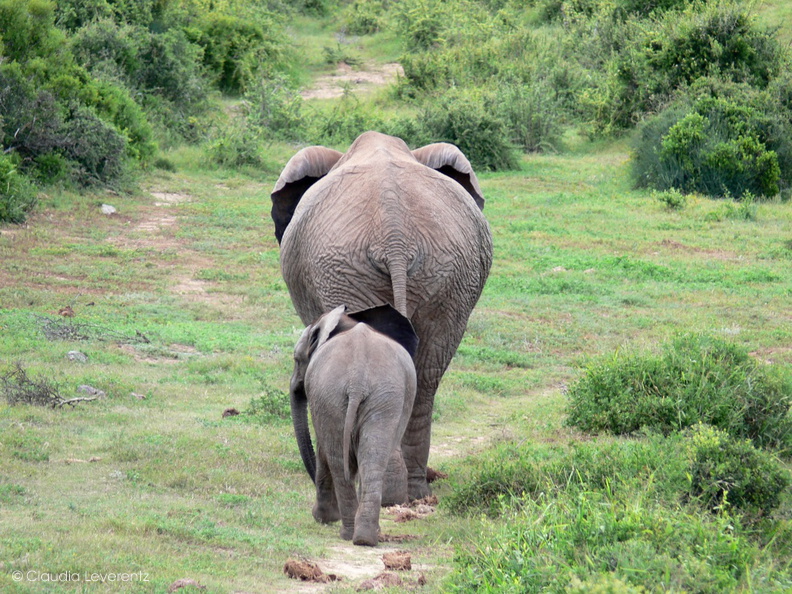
(364, 79)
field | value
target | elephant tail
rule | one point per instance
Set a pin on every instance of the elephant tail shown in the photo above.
(355, 399)
(398, 273)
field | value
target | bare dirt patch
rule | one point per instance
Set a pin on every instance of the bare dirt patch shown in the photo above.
(363, 79)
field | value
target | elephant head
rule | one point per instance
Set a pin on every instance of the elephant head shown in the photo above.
(384, 319)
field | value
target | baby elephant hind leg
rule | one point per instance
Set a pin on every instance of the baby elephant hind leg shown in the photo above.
(373, 455)
(347, 501)
(325, 510)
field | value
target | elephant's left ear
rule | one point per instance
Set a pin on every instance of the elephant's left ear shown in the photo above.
(388, 321)
(301, 172)
(450, 161)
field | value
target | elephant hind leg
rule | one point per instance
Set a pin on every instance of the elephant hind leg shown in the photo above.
(325, 510)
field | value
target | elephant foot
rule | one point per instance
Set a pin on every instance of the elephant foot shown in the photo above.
(366, 536)
(325, 514)
(418, 489)
(347, 532)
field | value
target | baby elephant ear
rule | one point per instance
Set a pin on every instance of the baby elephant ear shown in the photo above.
(450, 161)
(388, 321)
(324, 326)
(301, 172)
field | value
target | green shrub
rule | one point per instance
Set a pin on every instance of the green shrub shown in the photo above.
(421, 23)
(673, 199)
(719, 139)
(237, 145)
(726, 472)
(96, 148)
(622, 514)
(470, 121)
(637, 64)
(695, 379)
(343, 122)
(363, 17)
(17, 194)
(271, 407)
(531, 115)
(275, 107)
(236, 50)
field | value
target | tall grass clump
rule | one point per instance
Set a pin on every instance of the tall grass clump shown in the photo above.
(695, 379)
(17, 194)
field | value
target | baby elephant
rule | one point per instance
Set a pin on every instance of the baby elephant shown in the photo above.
(357, 374)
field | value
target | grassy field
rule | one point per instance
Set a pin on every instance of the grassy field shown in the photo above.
(181, 310)
(583, 266)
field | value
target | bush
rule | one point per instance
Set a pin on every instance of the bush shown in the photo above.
(421, 23)
(470, 121)
(17, 194)
(718, 139)
(673, 199)
(696, 379)
(96, 148)
(727, 472)
(275, 107)
(637, 64)
(271, 407)
(622, 514)
(237, 50)
(347, 119)
(363, 17)
(531, 116)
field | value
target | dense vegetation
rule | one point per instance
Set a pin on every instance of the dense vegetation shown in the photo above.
(709, 88)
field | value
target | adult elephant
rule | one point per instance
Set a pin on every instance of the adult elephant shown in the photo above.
(383, 224)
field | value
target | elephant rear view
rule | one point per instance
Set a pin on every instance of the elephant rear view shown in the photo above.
(360, 384)
(383, 224)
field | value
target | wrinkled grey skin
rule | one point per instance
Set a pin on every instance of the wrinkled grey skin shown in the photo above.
(383, 224)
(360, 385)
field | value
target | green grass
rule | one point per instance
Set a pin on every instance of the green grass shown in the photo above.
(584, 266)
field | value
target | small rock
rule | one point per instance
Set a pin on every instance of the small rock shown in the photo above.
(91, 391)
(108, 210)
(77, 356)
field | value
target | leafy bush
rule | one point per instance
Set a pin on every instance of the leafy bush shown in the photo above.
(421, 23)
(719, 139)
(469, 120)
(275, 107)
(271, 407)
(363, 17)
(696, 379)
(673, 199)
(622, 513)
(637, 64)
(727, 472)
(531, 116)
(17, 194)
(236, 50)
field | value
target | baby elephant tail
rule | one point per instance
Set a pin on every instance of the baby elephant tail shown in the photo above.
(352, 409)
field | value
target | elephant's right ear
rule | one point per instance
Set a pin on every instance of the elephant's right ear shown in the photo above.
(301, 172)
(387, 320)
(450, 161)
